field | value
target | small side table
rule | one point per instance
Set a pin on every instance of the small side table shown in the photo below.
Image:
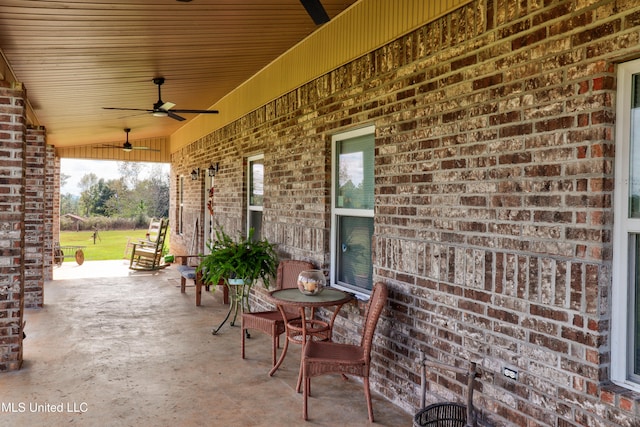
(237, 302)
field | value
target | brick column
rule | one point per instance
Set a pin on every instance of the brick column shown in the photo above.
(35, 214)
(51, 208)
(12, 216)
(55, 232)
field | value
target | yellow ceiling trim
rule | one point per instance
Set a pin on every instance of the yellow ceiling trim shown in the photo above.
(362, 28)
(161, 144)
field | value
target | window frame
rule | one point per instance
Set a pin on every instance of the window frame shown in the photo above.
(625, 229)
(250, 207)
(336, 212)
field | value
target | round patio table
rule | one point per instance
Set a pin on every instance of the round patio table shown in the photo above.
(298, 331)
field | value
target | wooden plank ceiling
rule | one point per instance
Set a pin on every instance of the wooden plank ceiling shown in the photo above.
(77, 56)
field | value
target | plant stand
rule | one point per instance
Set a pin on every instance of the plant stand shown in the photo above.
(239, 301)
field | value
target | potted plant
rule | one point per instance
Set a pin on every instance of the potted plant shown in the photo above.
(245, 259)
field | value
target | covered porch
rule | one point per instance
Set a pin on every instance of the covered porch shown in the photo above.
(495, 198)
(150, 359)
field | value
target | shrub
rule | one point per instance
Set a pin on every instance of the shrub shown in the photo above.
(104, 223)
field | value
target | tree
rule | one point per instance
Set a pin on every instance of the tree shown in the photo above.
(116, 204)
(68, 204)
(94, 199)
(115, 198)
(158, 191)
(87, 181)
(63, 179)
(130, 173)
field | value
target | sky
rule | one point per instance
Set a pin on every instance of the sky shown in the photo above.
(77, 168)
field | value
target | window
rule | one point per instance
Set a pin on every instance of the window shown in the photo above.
(625, 324)
(352, 210)
(255, 195)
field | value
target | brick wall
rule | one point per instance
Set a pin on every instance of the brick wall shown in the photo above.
(493, 219)
(12, 216)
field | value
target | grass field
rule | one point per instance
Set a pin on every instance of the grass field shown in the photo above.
(109, 244)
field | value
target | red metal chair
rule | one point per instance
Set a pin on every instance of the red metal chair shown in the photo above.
(325, 357)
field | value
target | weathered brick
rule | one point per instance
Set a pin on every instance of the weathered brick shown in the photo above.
(494, 184)
(12, 201)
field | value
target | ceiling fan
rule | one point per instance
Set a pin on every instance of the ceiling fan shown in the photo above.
(316, 11)
(127, 145)
(164, 109)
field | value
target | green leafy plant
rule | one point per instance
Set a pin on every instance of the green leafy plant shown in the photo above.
(242, 258)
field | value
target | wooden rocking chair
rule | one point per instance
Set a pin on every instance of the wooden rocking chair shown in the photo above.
(151, 237)
(148, 255)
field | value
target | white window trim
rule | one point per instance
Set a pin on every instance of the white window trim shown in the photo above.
(335, 212)
(622, 226)
(250, 207)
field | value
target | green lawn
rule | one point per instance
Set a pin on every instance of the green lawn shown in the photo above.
(109, 244)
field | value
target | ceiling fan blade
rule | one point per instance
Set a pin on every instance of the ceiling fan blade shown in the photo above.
(120, 147)
(167, 106)
(196, 111)
(144, 148)
(133, 115)
(108, 146)
(127, 109)
(316, 11)
(175, 116)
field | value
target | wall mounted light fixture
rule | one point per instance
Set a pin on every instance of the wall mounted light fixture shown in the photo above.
(213, 169)
(195, 174)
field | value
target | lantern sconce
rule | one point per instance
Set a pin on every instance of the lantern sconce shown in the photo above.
(213, 169)
(195, 174)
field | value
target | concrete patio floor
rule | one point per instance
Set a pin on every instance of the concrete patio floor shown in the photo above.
(113, 347)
